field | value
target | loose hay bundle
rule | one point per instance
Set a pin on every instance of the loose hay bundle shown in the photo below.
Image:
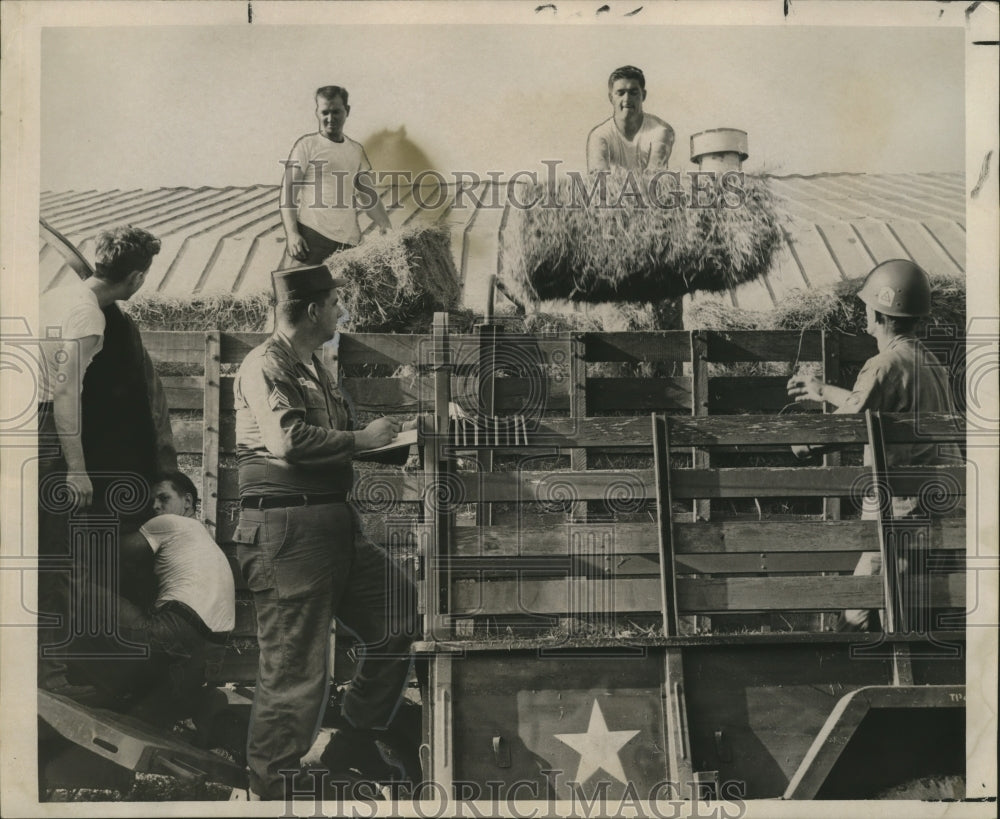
(397, 280)
(835, 308)
(244, 313)
(608, 317)
(644, 239)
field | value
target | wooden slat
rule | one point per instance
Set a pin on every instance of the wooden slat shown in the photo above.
(768, 538)
(758, 394)
(770, 563)
(744, 432)
(568, 565)
(765, 482)
(186, 391)
(732, 594)
(638, 394)
(733, 537)
(780, 593)
(506, 597)
(520, 351)
(516, 351)
(749, 431)
(665, 345)
(187, 435)
(553, 488)
(732, 546)
(802, 593)
(174, 347)
(235, 346)
(935, 427)
(811, 428)
(615, 395)
(782, 345)
(824, 481)
(548, 597)
(605, 433)
(376, 348)
(613, 539)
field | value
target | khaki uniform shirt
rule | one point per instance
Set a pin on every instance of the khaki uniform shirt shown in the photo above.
(292, 425)
(904, 377)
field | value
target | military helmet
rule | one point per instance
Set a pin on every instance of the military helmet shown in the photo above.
(897, 288)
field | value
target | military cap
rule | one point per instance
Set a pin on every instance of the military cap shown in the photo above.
(300, 282)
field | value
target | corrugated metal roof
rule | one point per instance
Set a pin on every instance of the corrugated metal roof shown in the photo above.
(229, 239)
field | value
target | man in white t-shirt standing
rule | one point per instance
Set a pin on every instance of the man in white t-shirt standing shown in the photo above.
(630, 139)
(72, 313)
(327, 180)
(73, 324)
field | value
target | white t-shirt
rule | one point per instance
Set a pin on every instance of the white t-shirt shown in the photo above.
(192, 569)
(68, 312)
(341, 162)
(649, 148)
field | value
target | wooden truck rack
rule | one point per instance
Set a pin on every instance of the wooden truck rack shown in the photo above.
(585, 715)
(585, 639)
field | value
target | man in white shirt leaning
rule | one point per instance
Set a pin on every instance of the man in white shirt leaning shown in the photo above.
(190, 620)
(631, 138)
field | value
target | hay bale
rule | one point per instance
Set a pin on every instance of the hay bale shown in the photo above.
(834, 308)
(623, 247)
(399, 280)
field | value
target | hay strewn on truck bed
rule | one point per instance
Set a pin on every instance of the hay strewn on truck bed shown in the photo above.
(397, 281)
(626, 248)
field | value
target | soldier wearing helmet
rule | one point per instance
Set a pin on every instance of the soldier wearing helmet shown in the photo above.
(903, 377)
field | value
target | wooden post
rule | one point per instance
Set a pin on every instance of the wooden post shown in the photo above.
(699, 407)
(210, 436)
(577, 410)
(487, 334)
(890, 578)
(438, 472)
(665, 522)
(702, 508)
(830, 344)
